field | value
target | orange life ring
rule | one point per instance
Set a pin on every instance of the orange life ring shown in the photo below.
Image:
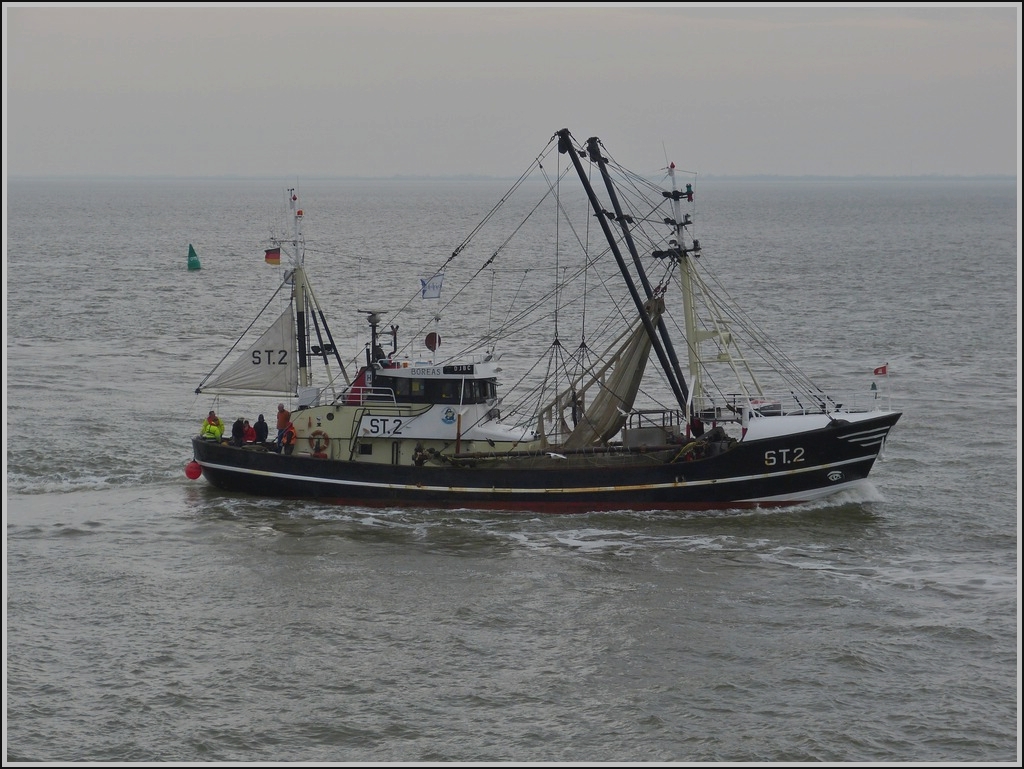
(315, 439)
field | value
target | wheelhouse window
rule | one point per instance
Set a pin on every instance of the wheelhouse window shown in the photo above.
(449, 390)
(439, 390)
(401, 387)
(480, 390)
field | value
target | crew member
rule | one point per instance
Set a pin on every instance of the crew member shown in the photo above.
(288, 438)
(212, 428)
(284, 416)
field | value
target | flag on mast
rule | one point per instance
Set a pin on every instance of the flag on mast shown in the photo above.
(882, 370)
(430, 288)
(273, 255)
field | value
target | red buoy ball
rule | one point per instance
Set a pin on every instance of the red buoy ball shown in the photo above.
(193, 470)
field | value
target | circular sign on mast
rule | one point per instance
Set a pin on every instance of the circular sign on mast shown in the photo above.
(433, 341)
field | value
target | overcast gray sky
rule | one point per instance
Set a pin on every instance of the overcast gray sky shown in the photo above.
(379, 90)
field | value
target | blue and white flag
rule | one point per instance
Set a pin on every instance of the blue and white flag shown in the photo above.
(430, 288)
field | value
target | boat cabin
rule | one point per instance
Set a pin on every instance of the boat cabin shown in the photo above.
(424, 383)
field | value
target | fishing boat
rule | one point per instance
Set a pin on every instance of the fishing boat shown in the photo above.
(671, 401)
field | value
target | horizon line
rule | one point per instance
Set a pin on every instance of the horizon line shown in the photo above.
(484, 177)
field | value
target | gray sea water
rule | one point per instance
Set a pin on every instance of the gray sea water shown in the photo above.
(152, 618)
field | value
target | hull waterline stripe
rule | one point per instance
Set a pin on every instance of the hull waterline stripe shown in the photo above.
(570, 490)
(809, 495)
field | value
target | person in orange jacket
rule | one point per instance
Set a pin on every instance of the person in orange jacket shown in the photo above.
(288, 438)
(284, 416)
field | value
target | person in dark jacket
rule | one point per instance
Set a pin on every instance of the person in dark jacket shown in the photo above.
(238, 432)
(262, 430)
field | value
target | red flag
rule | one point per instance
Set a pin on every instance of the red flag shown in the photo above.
(273, 256)
(882, 370)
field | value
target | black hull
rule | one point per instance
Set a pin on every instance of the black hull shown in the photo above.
(776, 471)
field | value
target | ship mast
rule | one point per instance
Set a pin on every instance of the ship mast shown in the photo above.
(309, 317)
(693, 339)
(717, 326)
(299, 289)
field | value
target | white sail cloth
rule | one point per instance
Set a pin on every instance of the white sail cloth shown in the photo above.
(268, 366)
